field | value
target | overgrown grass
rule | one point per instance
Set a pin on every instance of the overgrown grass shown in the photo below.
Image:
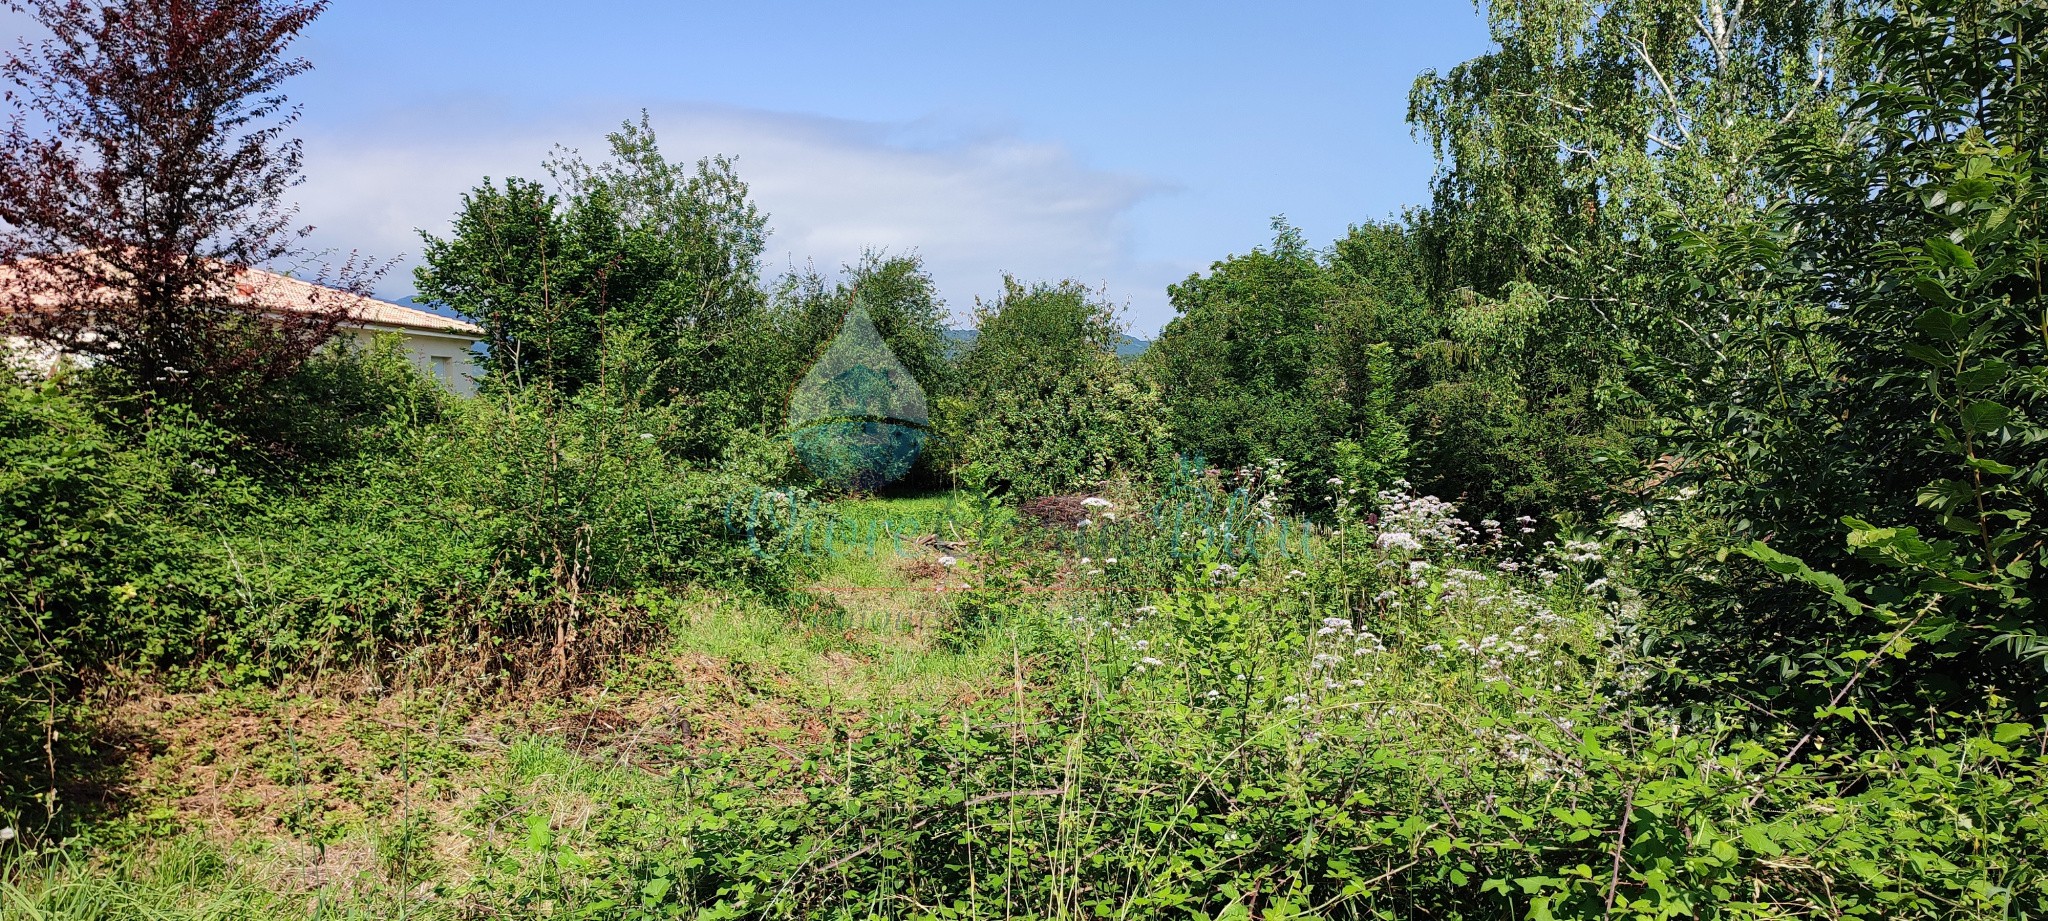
(1425, 720)
(174, 881)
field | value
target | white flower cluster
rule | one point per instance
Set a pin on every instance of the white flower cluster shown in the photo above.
(1343, 656)
(1399, 540)
(1579, 551)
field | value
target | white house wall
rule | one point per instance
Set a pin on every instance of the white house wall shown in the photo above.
(447, 359)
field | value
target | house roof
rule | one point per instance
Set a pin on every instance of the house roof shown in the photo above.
(273, 291)
(282, 292)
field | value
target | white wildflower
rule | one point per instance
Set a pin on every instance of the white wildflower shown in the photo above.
(1399, 540)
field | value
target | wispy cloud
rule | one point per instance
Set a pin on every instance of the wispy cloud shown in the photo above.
(973, 205)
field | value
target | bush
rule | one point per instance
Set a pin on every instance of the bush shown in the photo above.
(1364, 738)
(1290, 352)
(1048, 406)
(111, 553)
(511, 535)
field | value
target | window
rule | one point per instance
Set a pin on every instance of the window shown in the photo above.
(443, 368)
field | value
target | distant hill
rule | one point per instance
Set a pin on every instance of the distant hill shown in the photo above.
(1127, 347)
(421, 305)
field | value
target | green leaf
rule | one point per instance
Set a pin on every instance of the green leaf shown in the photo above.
(1968, 190)
(1991, 466)
(1941, 324)
(1928, 354)
(1945, 252)
(1788, 565)
(1932, 289)
(1984, 416)
(538, 835)
(1985, 375)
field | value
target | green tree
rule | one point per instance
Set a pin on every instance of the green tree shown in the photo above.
(666, 252)
(807, 309)
(807, 312)
(1881, 366)
(502, 267)
(1272, 354)
(1569, 154)
(1044, 405)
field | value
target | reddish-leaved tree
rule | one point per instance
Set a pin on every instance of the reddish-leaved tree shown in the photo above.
(142, 170)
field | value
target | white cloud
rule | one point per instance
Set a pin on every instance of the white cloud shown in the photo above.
(974, 207)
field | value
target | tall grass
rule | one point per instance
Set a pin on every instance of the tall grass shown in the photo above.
(177, 881)
(1430, 718)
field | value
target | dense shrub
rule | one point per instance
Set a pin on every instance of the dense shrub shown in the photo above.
(1288, 352)
(499, 533)
(634, 246)
(495, 525)
(1405, 728)
(90, 556)
(1046, 406)
(1891, 438)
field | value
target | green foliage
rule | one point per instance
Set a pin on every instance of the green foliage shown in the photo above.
(1045, 406)
(1909, 407)
(189, 881)
(85, 517)
(530, 518)
(1277, 354)
(634, 246)
(815, 331)
(1792, 251)
(1591, 133)
(495, 268)
(900, 298)
(1239, 746)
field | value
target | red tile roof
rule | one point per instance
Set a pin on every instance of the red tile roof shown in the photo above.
(287, 293)
(283, 292)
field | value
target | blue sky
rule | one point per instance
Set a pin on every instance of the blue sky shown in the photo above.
(1123, 144)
